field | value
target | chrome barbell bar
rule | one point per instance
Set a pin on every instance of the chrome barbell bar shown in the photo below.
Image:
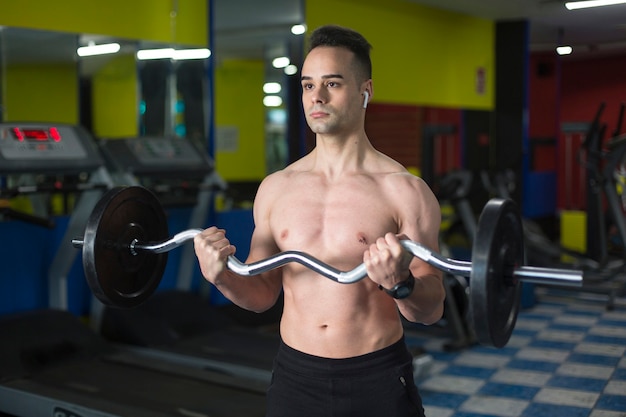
(531, 274)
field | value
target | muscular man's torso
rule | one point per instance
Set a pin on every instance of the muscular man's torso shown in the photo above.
(334, 221)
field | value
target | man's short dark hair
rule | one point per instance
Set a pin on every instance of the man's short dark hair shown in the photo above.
(338, 36)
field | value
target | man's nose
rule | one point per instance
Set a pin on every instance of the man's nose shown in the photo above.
(319, 96)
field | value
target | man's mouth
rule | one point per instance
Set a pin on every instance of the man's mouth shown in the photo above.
(318, 114)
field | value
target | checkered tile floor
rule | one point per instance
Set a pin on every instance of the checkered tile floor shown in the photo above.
(566, 358)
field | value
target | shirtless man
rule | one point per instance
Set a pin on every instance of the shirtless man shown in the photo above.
(345, 203)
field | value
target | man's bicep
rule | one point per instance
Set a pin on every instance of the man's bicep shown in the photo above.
(262, 245)
(423, 216)
(430, 224)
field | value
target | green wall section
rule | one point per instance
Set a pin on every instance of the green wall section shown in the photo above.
(41, 93)
(132, 19)
(421, 55)
(115, 99)
(239, 111)
(115, 104)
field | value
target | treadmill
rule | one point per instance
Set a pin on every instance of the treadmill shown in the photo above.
(31, 151)
(176, 325)
(51, 363)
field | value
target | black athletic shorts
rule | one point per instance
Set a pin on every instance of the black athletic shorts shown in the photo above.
(377, 384)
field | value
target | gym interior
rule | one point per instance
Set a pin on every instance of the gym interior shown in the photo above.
(463, 101)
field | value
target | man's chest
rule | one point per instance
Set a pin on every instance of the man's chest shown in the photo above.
(343, 221)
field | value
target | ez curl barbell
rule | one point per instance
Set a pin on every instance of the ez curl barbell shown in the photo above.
(126, 241)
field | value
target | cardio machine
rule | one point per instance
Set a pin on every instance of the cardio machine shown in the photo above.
(51, 363)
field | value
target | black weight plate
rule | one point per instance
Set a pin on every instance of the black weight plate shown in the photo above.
(116, 276)
(494, 294)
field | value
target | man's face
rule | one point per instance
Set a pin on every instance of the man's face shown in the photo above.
(331, 95)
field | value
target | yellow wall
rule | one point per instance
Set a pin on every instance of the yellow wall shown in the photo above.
(420, 55)
(239, 108)
(115, 94)
(133, 19)
(115, 99)
(46, 93)
(574, 230)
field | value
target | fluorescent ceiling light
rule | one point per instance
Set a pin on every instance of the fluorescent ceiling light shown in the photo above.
(272, 101)
(290, 69)
(298, 29)
(280, 62)
(271, 88)
(572, 5)
(161, 53)
(200, 53)
(171, 53)
(105, 48)
(564, 50)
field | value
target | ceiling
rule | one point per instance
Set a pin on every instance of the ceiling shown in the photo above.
(253, 29)
(249, 25)
(598, 28)
(250, 28)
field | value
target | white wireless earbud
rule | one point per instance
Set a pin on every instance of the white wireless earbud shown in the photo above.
(367, 97)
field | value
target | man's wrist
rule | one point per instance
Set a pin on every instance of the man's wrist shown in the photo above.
(402, 289)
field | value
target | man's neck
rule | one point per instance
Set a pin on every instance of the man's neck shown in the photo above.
(337, 155)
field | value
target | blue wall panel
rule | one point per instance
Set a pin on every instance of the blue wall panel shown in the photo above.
(539, 194)
(26, 253)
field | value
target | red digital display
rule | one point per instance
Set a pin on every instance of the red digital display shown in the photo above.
(54, 134)
(37, 134)
(18, 134)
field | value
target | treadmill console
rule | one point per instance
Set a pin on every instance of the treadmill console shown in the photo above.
(43, 147)
(157, 156)
(174, 168)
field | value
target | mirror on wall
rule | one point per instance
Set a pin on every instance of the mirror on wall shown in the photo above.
(108, 93)
(173, 98)
(143, 87)
(245, 31)
(43, 79)
(117, 95)
(39, 73)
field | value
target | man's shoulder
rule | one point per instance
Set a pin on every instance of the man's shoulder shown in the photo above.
(409, 188)
(277, 181)
(402, 177)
